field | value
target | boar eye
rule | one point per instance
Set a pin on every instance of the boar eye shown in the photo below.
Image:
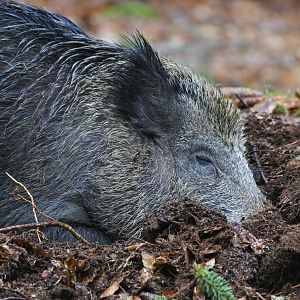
(204, 165)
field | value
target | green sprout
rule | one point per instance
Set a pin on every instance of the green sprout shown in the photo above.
(280, 110)
(213, 285)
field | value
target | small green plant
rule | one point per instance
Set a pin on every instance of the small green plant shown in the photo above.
(272, 94)
(213, 285)
(280, 110)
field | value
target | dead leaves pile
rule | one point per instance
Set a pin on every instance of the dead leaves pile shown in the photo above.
(268, 102)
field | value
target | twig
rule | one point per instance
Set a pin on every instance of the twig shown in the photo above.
(31, 202)
(296, 286)
(260, 296)
(243, 102)
(44, 225)
(6, 289)
(261, 174)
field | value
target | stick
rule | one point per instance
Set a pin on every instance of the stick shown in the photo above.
(31, 202)
(44, 225)
(243, 102)
(262, 176)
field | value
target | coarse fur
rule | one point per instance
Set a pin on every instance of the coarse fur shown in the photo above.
(102, 133)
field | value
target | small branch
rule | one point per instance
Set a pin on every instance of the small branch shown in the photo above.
(38, 225)
(261, 174)
(44, 225)
(242, 101)
(34, 208)
(296, 286)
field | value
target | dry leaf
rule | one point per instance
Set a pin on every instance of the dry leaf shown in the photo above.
(126, 296)
(136, 246)
(148, 261)
(9, 253)
(198, 293)
(160, 261)
(173, 254)
(145, 275)
(150, 296)
(257, 245)
(47, 273)
(56, 263)
(112, 288)
(71, 266)
(168, 293)
(241, 91)
(266, 106)
(210, 264)
(187, 255)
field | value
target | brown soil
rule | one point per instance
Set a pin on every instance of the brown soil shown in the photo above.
(259, 259)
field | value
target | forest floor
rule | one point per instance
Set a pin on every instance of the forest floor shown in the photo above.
(260, 259)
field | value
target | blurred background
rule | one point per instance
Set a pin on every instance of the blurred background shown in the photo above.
(232, 42)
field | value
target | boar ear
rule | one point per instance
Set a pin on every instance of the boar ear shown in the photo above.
(145, 97)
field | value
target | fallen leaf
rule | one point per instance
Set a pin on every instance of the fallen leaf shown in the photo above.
(168, 293)
(266, 106)
(47, 273)
(125, 296)
(198, 293)
(136, 246)
(278, 297)
(9, 253)
(188, 255)
(71, 265)
(145, 275)
(160, 261)
(150, 296)
(210, 264)
(241, 91)
(148, 261)
(112, 288)
(257, 245)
